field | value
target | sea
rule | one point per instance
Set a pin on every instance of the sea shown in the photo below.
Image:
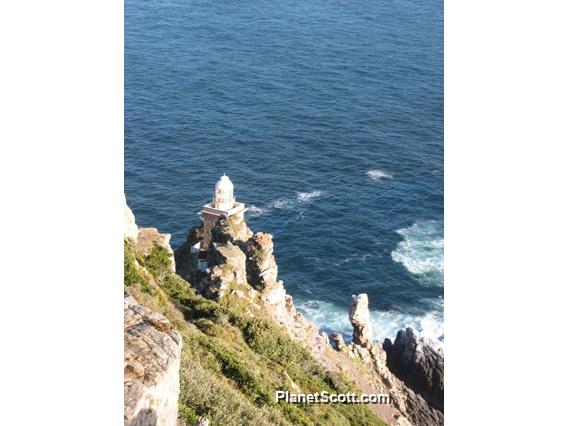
(327, 115)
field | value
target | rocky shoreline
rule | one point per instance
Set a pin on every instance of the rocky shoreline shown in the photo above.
(243, 273)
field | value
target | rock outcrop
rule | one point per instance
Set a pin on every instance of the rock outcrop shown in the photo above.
(152, 350)
(261, 265)
(243, 266)
(228, 271)
(359, 317)
(130, 228)
(416, 361)
(149, 238)
(230, 229)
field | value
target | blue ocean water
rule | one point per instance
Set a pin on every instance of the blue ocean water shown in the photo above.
(328, 117)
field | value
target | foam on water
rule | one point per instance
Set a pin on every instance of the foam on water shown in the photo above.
(255, 211)
(305, 197)
(284, 203)
(422, 251)
(378, 174)
(385, 324)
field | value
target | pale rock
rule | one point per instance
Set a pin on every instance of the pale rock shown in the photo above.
(148, 238)
(262, 270)
(152, 350)
(202, 421)
(338, 342)
(228, 271)
(130, 228)
(359, 317)
(231, 229)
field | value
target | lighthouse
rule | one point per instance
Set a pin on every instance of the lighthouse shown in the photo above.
(223, 205)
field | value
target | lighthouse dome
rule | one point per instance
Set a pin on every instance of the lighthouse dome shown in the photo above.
(224, 198)
(224, 183)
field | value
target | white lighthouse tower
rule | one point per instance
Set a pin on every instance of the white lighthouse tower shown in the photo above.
(223, 205)
(224, 198)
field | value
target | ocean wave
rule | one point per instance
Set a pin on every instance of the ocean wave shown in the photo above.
(385, 324)
(284, 203)
(281, 203)
(421, 251)
(379, 174)
(254, 211)
(305, 197)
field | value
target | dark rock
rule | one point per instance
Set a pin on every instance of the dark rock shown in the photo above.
(185, 266)
(416, 361)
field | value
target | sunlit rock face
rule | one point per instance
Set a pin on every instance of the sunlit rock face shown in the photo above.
(152, 350)
(262, 270)
(360, 319)
(149, 238)
(130, 228)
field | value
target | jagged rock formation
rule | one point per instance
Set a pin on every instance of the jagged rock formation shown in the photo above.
(416, 361)
(243, 270)
(261, 265)
(359, 317)
(374, 376)
(231, 229)
(151, 367)
(228, 271)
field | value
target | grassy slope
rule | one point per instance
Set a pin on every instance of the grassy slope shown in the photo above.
(233, 363)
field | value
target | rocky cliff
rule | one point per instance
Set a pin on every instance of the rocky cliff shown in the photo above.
(152, 347)
(152, 350)
(417, 362)
(244, 272)
(242, 339)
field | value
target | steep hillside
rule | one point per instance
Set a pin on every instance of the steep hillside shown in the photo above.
(234, 356)
(242, 339)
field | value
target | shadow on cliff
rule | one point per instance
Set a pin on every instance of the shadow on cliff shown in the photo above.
(147, 417)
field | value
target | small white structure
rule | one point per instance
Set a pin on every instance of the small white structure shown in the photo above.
(224, 198)
(223, 205)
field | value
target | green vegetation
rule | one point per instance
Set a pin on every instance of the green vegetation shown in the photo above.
(233, 363)
(132, 275)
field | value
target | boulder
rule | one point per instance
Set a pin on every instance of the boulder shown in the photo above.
(359, 317)
(337, 342)
(419, 364)
(152, 350)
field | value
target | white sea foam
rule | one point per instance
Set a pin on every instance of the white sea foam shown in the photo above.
(281, 203)
(384, 323)
(306, 197)
(422, 250)
(378, 174)
(254, 211)
(284, 203)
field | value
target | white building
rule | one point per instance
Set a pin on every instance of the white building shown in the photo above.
(223, 205)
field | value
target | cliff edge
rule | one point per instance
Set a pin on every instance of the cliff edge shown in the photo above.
(238, 339)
